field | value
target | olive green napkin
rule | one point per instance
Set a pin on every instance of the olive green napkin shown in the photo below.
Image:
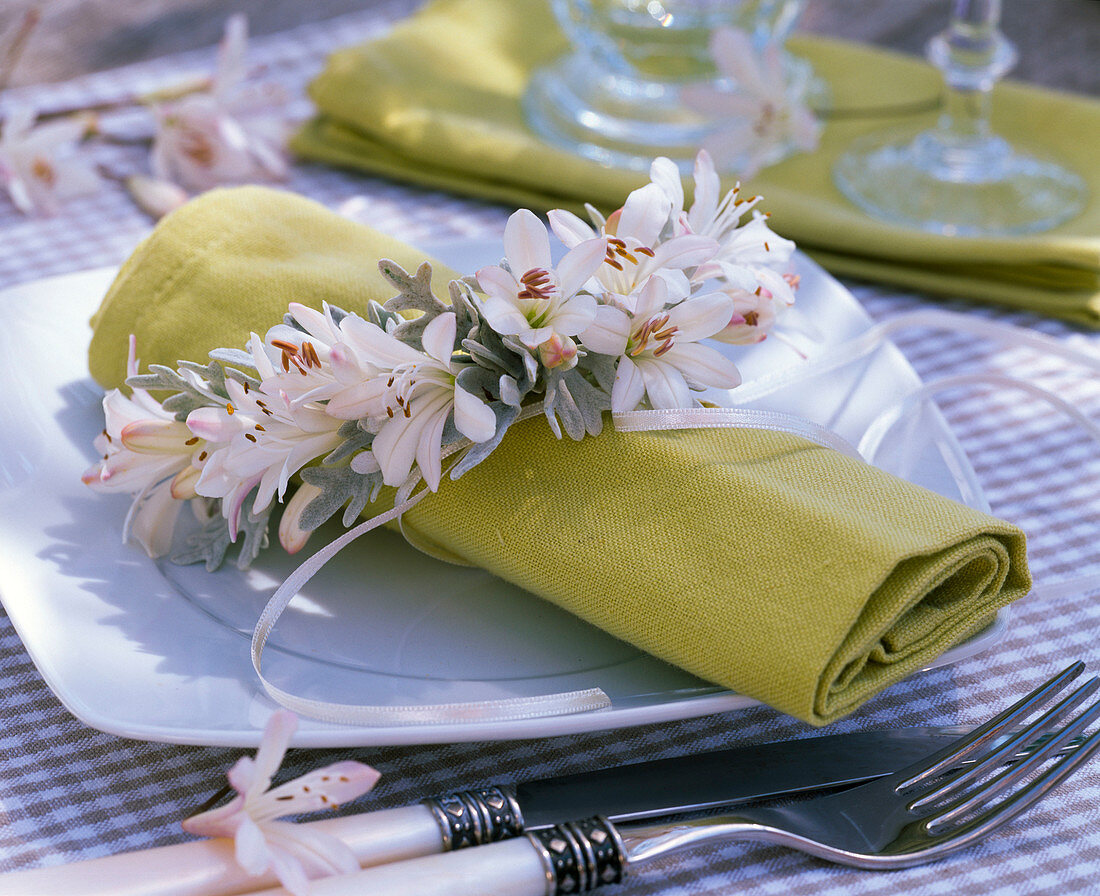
(755, 559)
(437, 102)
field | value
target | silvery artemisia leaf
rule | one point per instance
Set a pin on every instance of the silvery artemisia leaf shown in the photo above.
(339, 486)
(574, 401)
(415, 294)
(211, 542)
(506, 415)
(355, 437)
(187, 396)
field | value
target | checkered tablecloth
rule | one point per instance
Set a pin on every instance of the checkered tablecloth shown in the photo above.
(69, 792)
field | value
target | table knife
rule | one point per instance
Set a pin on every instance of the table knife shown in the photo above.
(644, 790)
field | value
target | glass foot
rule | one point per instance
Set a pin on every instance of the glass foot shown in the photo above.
(972, 187)
(613, 119)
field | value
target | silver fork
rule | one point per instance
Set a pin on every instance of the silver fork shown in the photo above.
(942, 804)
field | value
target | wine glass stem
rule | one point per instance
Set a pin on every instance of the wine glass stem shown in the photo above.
(973, 55)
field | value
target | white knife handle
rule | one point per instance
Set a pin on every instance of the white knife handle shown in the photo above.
(566, 859)
(208, 867)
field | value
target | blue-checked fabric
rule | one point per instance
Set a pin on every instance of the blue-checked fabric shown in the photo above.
(69, 792)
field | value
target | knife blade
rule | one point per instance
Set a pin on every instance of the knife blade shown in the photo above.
(644, 790)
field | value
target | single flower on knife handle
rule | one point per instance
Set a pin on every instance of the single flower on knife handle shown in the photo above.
(295, 853)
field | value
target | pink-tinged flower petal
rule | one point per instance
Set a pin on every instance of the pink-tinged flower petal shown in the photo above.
(155, 521)
(629, 387)
(183, 486)
(316, 851)
(278, 731)
(495, 281)
(574, 315)
(707, 186)
(394, 447)
(221, 821)
(700, 316)
(361, 400)
(288, 869)
(376, 342)
(703, 365)
(568, 228)
(231, 66)
(666, 175)
(683, 252)
(439, 337)
(608, 332)
(324, 788)
(155, 436)
(251, 851)
(526, 243)
(429, 445)
(579, 264)
(213, 424)
(644, 215)
(154, 196)
(735, 57)
(291, 534)
(473, 418)
(664, 384)
(650, 299)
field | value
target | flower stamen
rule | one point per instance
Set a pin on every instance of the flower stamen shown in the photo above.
(537, 285)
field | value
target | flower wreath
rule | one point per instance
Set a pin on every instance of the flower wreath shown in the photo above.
(354, 403)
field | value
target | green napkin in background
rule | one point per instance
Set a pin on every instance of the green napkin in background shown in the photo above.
(755, 559)
(437, 102)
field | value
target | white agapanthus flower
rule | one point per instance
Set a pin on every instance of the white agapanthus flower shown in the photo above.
(409, 397)
(637, 248)
(149, 455)
(39, 166)
(767, 114)
(535, 300)
(747, 264)
(657, 348)
(262, 438)
(227, 135)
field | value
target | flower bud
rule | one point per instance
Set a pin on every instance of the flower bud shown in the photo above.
(558, 351)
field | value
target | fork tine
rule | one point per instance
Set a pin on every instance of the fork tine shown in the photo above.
(1008, 809)
(1006, 750)
(980, 736)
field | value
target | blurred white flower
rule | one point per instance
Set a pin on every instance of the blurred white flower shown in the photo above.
(295, 853)
(764, 118)
(154, 196)
(39, 166)
(227, 135)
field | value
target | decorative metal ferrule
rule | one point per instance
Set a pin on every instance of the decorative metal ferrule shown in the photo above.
(476, 817)
(580, 855)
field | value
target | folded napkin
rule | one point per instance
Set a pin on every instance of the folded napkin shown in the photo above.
(755, 559)
(437, 102)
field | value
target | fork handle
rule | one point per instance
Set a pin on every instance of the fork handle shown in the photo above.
(566, 859)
